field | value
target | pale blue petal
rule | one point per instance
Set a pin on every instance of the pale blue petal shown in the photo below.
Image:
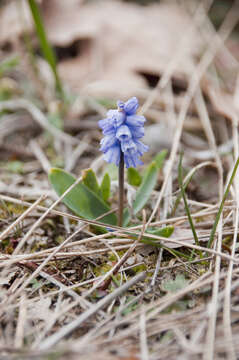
(107, 142)
(123, 133)
(132, 160)
(113, 155)
(122, 130)
(105, 124)
(127, 145)
(131, 106)
(137, 131)
(141, 148)
(135, 120)
(109, 131)
(116, 118)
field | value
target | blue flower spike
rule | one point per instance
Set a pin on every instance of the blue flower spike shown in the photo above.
(122, 130)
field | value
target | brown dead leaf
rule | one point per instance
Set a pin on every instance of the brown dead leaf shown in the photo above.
(115, 43)
(108, 48)
(15, 19)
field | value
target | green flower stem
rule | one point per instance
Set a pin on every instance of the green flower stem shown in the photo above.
(121, 190)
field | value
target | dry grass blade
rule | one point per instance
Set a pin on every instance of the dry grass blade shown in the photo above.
(227, 300)
(20, 218)
(52, 340)
(227, 27)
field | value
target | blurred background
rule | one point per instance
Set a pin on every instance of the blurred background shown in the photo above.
(73, 59)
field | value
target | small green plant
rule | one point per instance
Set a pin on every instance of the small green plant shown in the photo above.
(89, 199)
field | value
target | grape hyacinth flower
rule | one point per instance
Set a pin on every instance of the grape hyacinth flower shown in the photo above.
(122, 130)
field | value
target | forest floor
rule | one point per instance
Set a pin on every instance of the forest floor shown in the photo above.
(69, 291)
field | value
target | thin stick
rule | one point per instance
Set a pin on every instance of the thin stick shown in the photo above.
(121, 190)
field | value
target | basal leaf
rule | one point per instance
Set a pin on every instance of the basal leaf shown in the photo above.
(147, 185)
(126, 217)
(89, 180)
(81, 200)
(134, 177)
(146, 188)
(105, 187)
(164, 232)
(159, 159)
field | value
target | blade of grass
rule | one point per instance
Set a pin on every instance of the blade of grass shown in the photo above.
(179, 197)
(187, 180)
(214, 228)
(45, 45)
(180, 180)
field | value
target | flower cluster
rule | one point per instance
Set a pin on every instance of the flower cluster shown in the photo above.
(122, 130)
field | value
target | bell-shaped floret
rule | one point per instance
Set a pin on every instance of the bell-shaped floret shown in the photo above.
(112, 155)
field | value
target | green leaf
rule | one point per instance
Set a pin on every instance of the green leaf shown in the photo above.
(89, 180)
(147, 185)
(164, 232)
(146, 188)
(105, 187)
(134, 177)
(175, 285)
(159, 159)
(81, 200)
(126, 217)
